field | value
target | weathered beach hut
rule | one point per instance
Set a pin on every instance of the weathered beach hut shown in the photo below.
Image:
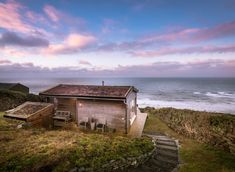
(116, 104)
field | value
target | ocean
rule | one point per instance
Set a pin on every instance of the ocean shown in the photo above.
(205, 94)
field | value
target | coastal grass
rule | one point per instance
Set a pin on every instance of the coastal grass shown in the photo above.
(36, 149)
(194, 156)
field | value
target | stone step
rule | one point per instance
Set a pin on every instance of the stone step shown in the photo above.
(170, 143)
(167, 153)
(146, 168)
(162, 166)
(151, 134)
(167, 160)
(170, 158)
(167, 147)
(163, 138)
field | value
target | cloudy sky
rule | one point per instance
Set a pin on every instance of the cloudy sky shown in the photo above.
(125, 38)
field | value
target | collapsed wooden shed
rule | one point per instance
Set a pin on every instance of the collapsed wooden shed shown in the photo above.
(33, 113)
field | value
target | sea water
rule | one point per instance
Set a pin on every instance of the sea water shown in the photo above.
(206, 94)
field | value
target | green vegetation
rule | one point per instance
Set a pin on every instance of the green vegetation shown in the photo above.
(216, 129)
(194, 156)
(61, 150)
(10, 99)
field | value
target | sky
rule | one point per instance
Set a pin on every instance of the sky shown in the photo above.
(117, 38)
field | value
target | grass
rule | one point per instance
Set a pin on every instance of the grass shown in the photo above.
(194, 156)
(60, 150)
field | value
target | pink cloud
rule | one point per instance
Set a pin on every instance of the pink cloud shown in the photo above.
(72, 44)
(188, 35)
(16, 17)
(187, 50)
(5, 62)
(222, 30)
(10, 17)
(84, 62)
(171, 36)
(34, 17)
(60, 18)
(193, 34)
(52, 13)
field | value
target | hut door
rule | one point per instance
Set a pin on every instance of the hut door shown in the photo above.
(132, 113)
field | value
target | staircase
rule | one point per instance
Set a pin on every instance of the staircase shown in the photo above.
(165, 158)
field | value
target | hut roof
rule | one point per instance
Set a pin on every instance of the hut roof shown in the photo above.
(89, 91)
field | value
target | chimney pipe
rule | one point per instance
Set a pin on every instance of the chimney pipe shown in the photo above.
(102, 83)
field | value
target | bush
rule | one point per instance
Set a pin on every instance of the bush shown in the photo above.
(98, 150)
(59, 150)
(33, 98)
(11, 99)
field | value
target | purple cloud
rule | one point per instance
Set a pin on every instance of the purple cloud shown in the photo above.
(84, 62)
(186, 50)
(207, 68)
(188, 35)
(10, 38)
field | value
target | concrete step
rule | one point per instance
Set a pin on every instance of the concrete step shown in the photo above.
(162, 166)
(160, 152)
(167, 147)
(167, 160)
(146, 168)
(167, 143)
(163, 138)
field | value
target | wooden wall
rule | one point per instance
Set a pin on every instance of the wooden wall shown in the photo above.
(67, 104)
(42, 117)
(113, 111)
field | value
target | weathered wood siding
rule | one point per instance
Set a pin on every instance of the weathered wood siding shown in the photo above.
(131, 96)
(112, 111)
(67, 104)
(42, 117)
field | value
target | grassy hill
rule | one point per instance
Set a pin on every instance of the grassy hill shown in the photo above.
(195, 156)
(35, 149)
(11, 99)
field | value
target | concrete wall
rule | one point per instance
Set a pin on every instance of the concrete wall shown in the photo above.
(112, 111)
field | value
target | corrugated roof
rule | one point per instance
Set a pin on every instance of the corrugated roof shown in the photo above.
(89, 91)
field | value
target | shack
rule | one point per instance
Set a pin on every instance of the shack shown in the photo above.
(14, 87)
(33, 113)
(116, 104)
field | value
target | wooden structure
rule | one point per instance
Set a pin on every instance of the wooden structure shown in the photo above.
(14, 87)
(117, 104)
(33, 113)
(61, 118)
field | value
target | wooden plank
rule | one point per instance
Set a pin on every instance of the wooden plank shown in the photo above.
(113, 112)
